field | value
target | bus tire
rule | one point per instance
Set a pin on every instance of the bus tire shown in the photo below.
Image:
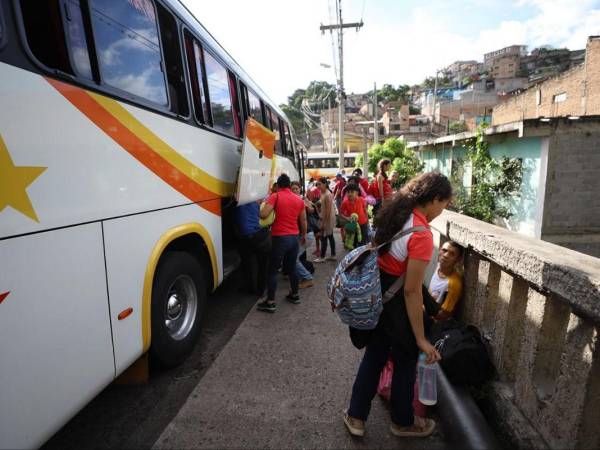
(178, 298)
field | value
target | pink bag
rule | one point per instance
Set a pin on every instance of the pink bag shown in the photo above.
(370, 200)
(384, 388)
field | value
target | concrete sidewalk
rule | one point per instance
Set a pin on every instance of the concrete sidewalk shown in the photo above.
(282, 382)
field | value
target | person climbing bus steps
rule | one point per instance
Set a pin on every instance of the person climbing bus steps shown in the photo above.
(289, 223)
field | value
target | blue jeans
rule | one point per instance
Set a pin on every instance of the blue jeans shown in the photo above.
(284, 251)
(367, 379)
(302, 273)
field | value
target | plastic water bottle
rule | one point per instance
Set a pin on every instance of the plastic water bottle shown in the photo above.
(427, 376)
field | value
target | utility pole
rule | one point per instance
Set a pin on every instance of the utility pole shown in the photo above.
(341, 96)
(331, 141)
(434, 95)
(375, 114)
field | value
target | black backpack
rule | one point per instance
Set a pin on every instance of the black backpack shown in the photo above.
(465, 358)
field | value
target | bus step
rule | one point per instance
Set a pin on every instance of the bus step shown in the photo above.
(231, 261)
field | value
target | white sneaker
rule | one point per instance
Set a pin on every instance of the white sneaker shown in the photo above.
(332, 258)
(319, 260)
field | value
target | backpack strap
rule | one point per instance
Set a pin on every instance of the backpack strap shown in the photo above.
(402, 233)
(395, 287)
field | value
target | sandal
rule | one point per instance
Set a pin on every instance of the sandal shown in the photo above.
(422, 427)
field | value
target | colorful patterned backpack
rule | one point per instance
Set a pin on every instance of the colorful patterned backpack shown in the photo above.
(354, 290)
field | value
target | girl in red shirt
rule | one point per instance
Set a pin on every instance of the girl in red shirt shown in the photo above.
(400, 328)
(381, 188)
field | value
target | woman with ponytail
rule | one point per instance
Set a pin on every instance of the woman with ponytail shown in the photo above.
(380, 187)
(400, 328)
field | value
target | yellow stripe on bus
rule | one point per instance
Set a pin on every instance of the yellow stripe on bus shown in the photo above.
(157, 252)
(196, 174)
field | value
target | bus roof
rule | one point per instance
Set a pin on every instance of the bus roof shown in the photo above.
(194, 24)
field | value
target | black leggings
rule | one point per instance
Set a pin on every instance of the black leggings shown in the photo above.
(324, 245)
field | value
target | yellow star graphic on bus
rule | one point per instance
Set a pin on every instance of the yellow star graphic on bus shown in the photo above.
(14, 182)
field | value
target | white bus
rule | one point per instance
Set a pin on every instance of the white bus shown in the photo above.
(321, 164)
(120, 132)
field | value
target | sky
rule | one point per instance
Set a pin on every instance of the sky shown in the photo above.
(279, 44)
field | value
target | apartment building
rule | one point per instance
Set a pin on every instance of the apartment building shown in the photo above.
(571, 94)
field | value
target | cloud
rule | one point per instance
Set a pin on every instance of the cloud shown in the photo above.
(281, 46)
(112, 55)
(149, 84)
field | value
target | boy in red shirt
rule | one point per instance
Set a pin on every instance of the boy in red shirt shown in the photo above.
(353, 203)
(362, 181)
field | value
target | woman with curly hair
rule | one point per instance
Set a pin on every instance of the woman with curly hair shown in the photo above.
(400, 328)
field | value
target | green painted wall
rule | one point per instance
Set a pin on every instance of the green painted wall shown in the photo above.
(437, 160)
(524, 207)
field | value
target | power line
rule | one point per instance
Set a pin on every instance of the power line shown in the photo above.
(333, 55)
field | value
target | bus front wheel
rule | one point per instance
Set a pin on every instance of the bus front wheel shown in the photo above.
(178, 299)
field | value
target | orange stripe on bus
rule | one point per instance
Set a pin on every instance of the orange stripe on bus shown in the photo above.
(137, 147)
(262, 138)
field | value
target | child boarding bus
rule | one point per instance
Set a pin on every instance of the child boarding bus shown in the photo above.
(121, 124)
(321, 164)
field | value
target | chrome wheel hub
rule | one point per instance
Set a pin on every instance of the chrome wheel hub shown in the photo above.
(180, 308)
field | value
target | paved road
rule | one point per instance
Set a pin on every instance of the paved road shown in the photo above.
(282, 382)
(254, 381)
(135, 416)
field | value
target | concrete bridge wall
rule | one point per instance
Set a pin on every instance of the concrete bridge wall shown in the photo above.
(539, 304)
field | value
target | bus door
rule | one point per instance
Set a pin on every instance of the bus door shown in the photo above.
(257, 163)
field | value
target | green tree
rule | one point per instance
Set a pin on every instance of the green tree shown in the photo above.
(404, 161)
(457, 127)
(295, 116)
(407, 165)
(316, 94)
(388, 93)
(493, 182)
(442, 81)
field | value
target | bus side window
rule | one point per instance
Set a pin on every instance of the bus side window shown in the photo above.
(128, 48)
(45, 34)
(76, 39)
(173, 62)
(267, 113)
(244, 100)
(288, 139)
(254, 108)
(196, 72)
(237, 122)
(279, 149)
(219, 95)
